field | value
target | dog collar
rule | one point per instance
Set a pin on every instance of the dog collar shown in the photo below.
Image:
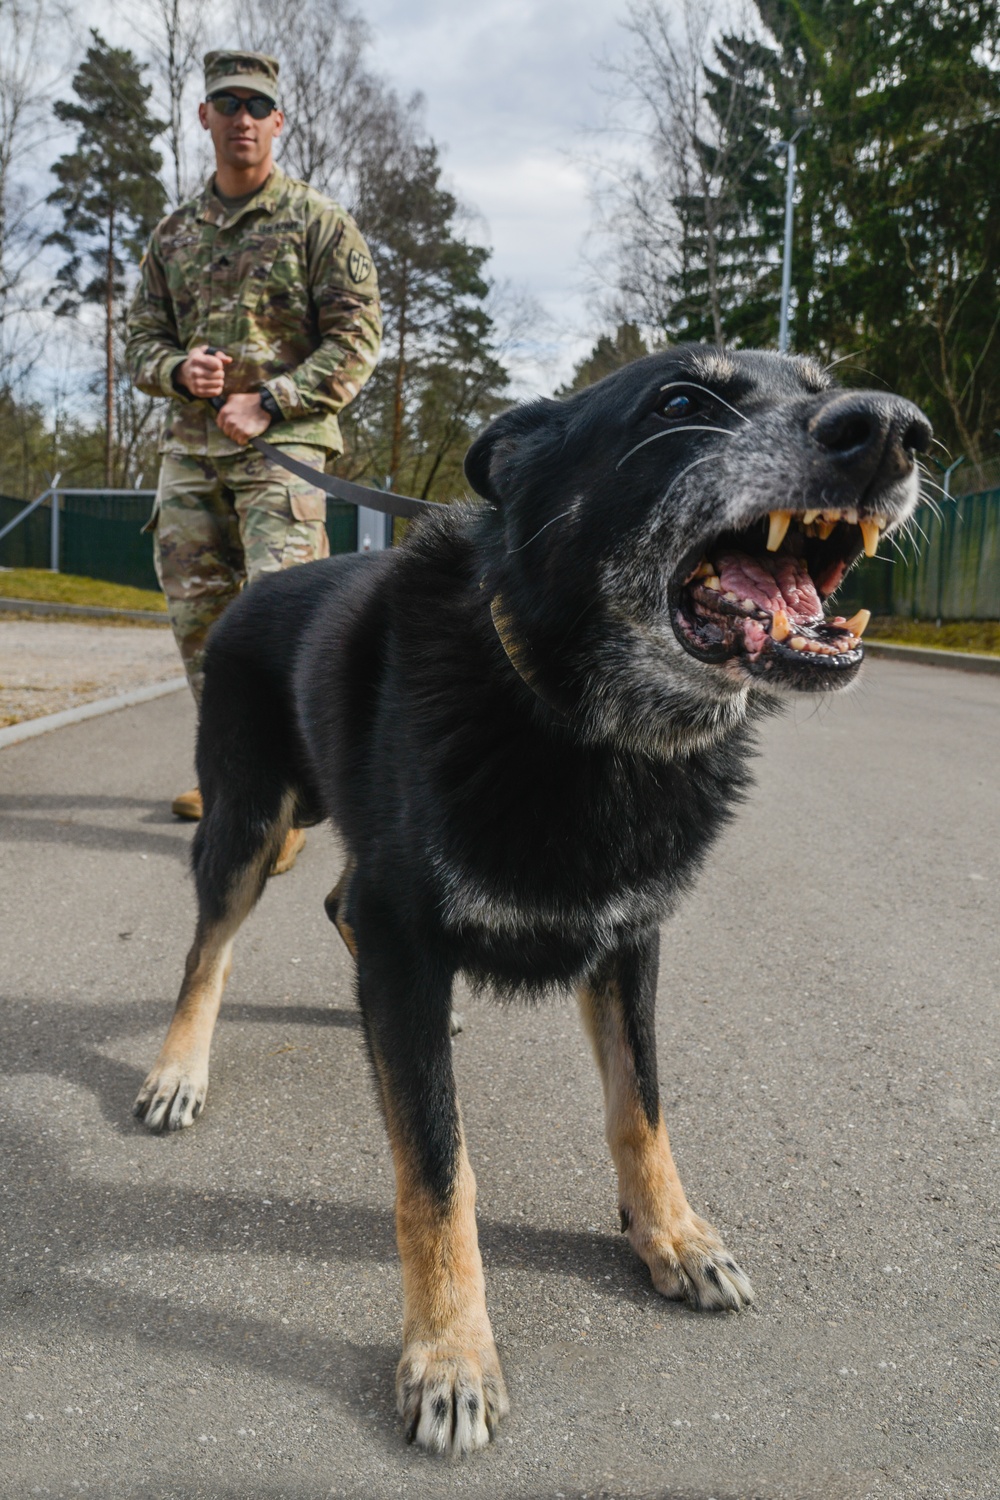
(518, 651)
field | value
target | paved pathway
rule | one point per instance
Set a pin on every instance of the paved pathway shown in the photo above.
(216, 1314)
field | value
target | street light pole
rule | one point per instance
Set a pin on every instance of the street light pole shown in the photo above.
(786, 265)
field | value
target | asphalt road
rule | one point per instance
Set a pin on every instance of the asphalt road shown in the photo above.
(216, 1314)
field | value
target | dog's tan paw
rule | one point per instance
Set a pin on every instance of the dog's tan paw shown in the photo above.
(172, 1097)
(693, 1265)
(450, 1399)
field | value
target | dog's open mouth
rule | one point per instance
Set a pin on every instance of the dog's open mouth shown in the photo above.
(756, 596)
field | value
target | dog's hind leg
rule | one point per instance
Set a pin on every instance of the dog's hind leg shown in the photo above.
(234, 848)
(449, 1386)
(685, 1255)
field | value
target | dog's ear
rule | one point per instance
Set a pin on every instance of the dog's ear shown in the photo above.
(502, 453)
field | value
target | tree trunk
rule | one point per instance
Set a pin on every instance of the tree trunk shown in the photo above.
(109, 357)
(396, 455)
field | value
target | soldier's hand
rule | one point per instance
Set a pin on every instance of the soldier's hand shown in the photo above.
(242, 418)
(204, 374)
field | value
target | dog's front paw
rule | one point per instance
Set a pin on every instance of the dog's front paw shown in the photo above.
(449, 1398)
(691, 1264)
(172, 1097)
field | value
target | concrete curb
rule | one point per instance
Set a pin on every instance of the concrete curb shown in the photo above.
(85, 611)
(28, 728)
(927, 656)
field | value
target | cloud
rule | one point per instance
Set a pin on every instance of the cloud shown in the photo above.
(510, 86)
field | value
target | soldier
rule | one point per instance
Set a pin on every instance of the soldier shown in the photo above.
(277, 278)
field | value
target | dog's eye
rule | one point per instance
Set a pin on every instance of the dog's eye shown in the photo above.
(675, 407)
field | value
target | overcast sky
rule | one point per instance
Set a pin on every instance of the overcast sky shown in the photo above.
(512, 87)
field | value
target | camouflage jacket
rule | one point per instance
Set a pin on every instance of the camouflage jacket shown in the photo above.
(286, 286)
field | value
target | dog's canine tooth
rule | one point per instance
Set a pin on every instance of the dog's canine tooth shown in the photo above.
(780, 627)
(858, 623)
(780, 522)
(871, 532)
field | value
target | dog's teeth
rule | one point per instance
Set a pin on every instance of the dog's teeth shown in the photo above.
(851, 516)
(809, 517)
(703, 570)
(798, 643)
(748, 604)
(780, 628)
(858, 623)
(729, 597)
(825, 528)
(870, 531)
(780, 522)
(711, 582)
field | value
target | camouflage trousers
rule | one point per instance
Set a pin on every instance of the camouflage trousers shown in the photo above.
(218, 524)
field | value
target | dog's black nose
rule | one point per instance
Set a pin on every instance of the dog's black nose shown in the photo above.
(870, 436)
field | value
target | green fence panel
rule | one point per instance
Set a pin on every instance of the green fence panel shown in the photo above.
(27, 546)
(946, 566)
(342, 526)
(101, 535)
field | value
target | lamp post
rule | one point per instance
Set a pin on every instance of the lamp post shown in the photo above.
(800, 117)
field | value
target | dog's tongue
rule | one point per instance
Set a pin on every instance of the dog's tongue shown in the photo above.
(772, 583)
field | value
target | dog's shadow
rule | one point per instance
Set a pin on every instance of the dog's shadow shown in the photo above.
(58, 1040)
(61, 1046)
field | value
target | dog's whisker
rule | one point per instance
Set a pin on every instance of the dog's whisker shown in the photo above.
(561, 517)
(666, 496)
(693, 385)
(917, 527)
(673, 432)
(839, 360)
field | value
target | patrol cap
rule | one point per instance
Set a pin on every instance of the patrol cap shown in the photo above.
(241, 70)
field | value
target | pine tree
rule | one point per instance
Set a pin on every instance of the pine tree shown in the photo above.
(441, 376)
(109, 193)
(898, 226)
(610, 353)
(744, 92)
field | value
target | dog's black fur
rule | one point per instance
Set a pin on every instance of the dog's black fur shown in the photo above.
(527, 754)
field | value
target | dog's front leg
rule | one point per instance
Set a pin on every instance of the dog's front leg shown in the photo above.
(685, 1255)
(449, 1387)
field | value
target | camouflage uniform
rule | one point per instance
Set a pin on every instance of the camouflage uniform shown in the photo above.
(287, 287)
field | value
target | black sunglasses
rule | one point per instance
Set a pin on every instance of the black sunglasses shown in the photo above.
(257, 107)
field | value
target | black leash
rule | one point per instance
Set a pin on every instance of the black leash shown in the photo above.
(341, 489)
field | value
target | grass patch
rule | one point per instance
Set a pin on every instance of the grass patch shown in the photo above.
(982, 636)
(44, 587)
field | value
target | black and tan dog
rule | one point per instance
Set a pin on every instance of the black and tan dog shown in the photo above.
(529, 722)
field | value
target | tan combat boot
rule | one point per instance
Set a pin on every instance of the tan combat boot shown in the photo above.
(187, 806)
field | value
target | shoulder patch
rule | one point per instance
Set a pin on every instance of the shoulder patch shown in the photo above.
(359, 265)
